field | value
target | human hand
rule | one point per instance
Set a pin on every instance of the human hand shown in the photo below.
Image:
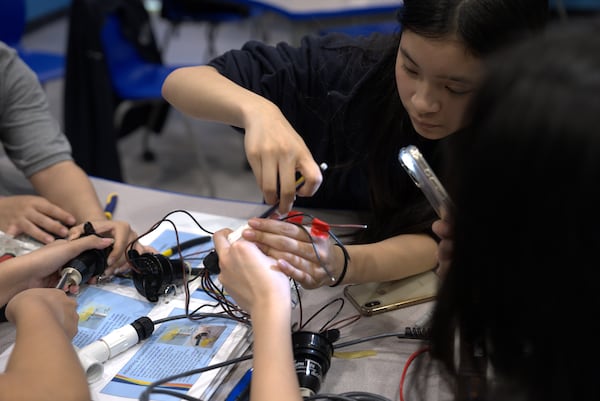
(293, 248)
(34, 216)
(443, 229)
(40, 268)
(276, 152)
(250, 276)
(122, 233)
(61, 307)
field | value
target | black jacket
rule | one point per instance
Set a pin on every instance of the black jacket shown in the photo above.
(316, 87)
(324, 88)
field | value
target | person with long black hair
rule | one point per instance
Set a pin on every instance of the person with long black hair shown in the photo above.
(353, 103)
(523, 279)
(524, 233)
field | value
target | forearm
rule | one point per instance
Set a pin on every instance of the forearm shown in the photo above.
(202, 92)
(391, 259)
(15, 275)
(67, 186)
(274, 376)
(43, 364)
(12, 281)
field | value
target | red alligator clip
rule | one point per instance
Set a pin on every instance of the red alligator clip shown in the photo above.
(295, 217)
(319, 228)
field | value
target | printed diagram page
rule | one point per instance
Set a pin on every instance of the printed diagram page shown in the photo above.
(175, 346)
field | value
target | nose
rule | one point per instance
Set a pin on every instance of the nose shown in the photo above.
(424, 99)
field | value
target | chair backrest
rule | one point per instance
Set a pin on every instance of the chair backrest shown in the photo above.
(130, 54)
(12, 21)
(119, 53)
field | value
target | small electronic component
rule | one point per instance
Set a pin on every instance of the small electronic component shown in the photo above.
(69, 277)
(88, 264)
(154, 274)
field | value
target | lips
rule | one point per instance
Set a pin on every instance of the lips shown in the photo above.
(424, 124)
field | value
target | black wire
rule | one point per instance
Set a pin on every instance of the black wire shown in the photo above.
(206, 282)
(349, 396)
(151, 388)
(216, 293)
(332, 397)
(402, 336)
(322, 309)
(195, 316)
(176, 394)
(230, 311)
(145, 395)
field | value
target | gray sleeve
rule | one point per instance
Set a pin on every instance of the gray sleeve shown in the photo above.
(30, 135)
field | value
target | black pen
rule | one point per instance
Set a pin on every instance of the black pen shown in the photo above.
(186, 245)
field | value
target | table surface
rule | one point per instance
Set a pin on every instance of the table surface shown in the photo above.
(307, 9)
(378, 373)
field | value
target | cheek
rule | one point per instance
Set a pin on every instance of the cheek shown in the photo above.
(405, 87)
(460, 112)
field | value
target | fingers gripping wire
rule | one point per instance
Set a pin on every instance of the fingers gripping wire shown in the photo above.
(319, 228)
(172, 265)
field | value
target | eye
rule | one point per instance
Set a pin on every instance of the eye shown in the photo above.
(409, 71)
(458, 91)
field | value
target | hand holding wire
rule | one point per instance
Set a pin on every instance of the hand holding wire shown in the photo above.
(304, 249)
(247, 274)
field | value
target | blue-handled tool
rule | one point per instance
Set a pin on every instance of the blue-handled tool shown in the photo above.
(110, 205)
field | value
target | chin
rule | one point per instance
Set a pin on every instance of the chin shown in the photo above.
(432, 133)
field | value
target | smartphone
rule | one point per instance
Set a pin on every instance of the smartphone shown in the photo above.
(417, 167)
(374, 298)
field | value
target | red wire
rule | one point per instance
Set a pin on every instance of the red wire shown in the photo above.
(410, 359)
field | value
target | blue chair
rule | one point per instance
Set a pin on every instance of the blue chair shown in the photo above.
(136, 80)
(132, 77)
(46, 65)
(364, 29)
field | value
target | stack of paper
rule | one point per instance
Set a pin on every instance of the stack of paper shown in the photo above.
(176, 346)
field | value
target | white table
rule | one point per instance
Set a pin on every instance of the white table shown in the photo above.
(379, 374)
(312, 16)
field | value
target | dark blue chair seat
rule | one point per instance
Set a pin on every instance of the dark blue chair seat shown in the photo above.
(137, 80)
(364, 29)
(132, 77)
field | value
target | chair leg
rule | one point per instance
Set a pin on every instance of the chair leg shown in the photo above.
(148, 154)
(211, 38)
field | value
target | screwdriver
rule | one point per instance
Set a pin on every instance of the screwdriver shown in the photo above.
(211, 261)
